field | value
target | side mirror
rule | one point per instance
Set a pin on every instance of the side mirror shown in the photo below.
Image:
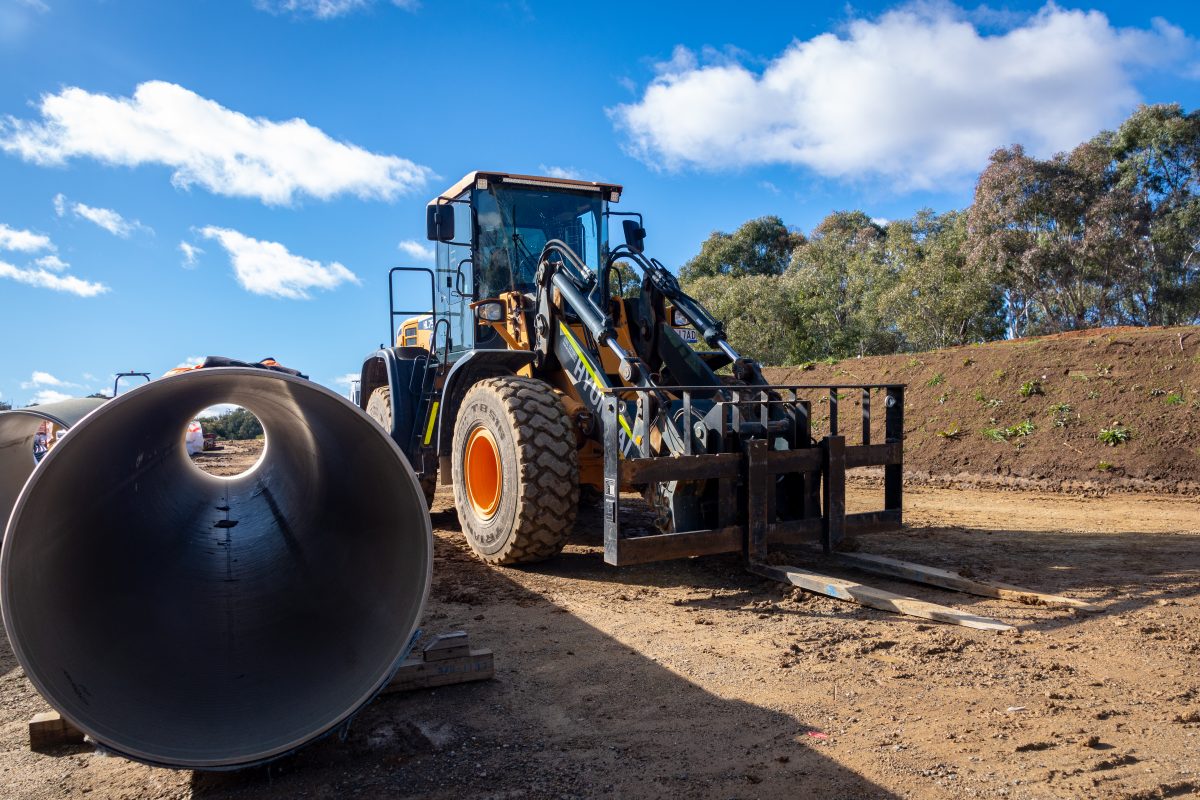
(439, 223)
(635, 235)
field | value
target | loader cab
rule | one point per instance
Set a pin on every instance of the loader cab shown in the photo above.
(490, 229)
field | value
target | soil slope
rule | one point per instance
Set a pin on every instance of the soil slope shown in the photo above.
(1029, 412)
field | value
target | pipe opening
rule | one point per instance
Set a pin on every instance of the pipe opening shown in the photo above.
(226, 441)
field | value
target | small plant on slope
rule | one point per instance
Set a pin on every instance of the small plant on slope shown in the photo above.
(1030, 388)
(1115, 435)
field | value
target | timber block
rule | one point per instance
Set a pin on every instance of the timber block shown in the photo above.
(49, 730)
(447, 645)
(447, 659)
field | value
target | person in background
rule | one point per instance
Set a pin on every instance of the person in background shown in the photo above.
(41, 444)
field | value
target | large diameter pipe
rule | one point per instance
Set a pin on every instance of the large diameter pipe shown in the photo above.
(18, 428)
(189, 620)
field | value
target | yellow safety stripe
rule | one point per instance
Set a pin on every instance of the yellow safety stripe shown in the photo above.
(595, 378)
(432, 418)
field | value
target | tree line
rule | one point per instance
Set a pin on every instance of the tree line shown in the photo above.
(1107, 234)
(235, 424)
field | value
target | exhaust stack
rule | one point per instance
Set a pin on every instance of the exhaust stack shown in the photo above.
(195, 621)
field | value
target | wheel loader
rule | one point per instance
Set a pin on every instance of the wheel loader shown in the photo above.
(535, 379)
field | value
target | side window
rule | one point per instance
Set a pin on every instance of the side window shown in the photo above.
(456, 282)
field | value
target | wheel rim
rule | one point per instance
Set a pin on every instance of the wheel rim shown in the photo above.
(482, 472)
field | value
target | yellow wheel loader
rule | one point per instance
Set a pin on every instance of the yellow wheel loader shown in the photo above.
(529, 383)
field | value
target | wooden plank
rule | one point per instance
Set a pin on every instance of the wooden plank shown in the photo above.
(873, 455)
(418, 674)
(876, 598)
(680, 468)
(447, 645)
(49, 730)
(665, 546)
(882, 565)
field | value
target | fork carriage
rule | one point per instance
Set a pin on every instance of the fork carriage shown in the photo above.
(749, 473)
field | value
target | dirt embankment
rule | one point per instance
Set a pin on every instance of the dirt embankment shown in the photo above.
(1036, 413)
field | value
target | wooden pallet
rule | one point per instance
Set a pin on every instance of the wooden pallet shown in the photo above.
(446, 660)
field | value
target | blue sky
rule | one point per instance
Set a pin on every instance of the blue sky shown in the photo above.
(289, 146)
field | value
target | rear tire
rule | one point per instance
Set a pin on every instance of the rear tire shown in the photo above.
(379, 408)
(515, 470)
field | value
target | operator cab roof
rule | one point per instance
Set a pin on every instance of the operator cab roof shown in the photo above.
(611, 191)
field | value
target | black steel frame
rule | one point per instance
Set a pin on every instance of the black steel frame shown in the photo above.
(746, 479)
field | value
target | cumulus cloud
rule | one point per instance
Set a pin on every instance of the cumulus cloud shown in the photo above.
(570, 173)
(51, 262)
(913, 97)
(108, 219)
(39, 378)
(23, 241)
(268, 268)
(326, 9)
(418, 251)
(105, 218)
(347, 379)
(190, 254)
(45, 279)
(48, 396)
(207, 145)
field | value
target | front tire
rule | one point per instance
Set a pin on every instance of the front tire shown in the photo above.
(515, 470)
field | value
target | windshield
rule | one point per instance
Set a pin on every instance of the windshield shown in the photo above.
(516, 222)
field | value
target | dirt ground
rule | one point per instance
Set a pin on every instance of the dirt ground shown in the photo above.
(696, 679)
(233, 457)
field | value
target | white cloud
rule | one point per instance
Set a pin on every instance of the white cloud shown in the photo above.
(206, 144)
(108, 219)
(48, 280)
(48, 396)
(190, 361)
(326, 9)
(418, 251)
(345, 380)
(51, 262)
(268, 268)
(23, 241)
(190, 254)
(915, 96)
(768, 186)
(570, 173)
(40, 378)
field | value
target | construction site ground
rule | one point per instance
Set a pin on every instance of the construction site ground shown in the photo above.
(696, 679)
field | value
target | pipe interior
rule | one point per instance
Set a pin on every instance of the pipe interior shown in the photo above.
(192, 620)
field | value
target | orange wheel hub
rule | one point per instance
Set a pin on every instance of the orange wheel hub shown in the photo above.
(482, 473)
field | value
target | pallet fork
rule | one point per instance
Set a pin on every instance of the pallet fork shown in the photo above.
(748, 482)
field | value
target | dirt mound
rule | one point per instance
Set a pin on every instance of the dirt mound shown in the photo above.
(1115, 408)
